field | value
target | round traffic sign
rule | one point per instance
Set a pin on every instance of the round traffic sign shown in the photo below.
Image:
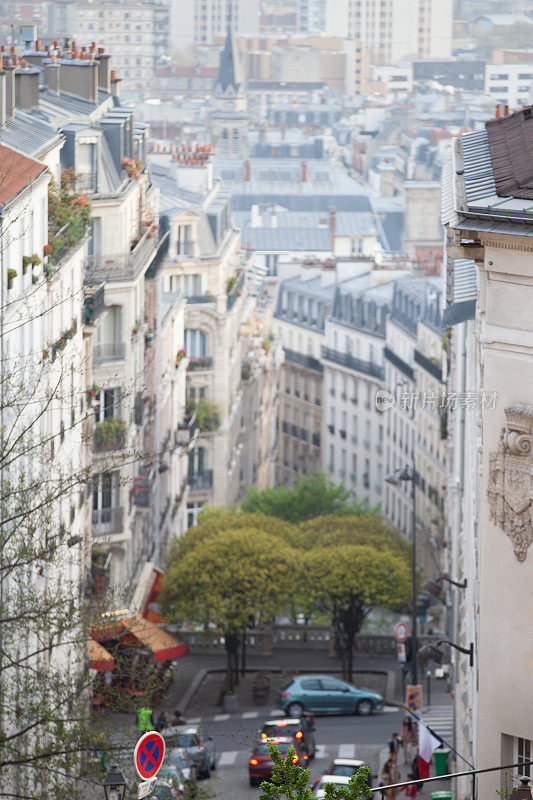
(400, 632)
(149, 754)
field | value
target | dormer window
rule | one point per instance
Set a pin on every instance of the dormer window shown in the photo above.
(184, 248)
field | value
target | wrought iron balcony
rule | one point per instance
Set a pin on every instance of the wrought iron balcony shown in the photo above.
(303, 360)
(357, 364)
(199, 481)
(108, 351)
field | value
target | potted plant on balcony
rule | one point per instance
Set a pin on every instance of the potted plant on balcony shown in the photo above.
(95, 390)
(110, 433)
(180, 355)
(46, 353)
(11, 275)
(267, 343)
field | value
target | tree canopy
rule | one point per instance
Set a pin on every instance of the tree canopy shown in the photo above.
(312, 495)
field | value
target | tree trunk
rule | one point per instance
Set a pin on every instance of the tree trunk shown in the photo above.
(243, 655)
(231, 647)
(236, 661)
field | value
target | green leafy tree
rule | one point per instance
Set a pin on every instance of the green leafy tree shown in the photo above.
(229, 581)
(312, 495)
(291, 782)
(362, 529)
(350, 580)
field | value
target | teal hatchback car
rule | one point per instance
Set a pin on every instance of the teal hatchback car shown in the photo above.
(323, 694)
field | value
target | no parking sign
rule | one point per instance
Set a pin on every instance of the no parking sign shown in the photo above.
(148, 755)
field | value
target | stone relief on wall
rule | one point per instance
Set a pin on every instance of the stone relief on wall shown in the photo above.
(510, 470)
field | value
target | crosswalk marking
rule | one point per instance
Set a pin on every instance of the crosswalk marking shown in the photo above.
(226, 759)
(320, 751)
(440, 719)
(277, 712)
(390, 709)
(194, 721)
(250, 714)
(346, 751)
(221, 717)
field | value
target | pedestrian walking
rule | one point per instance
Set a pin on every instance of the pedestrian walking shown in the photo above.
(394, 745)
(162, 722)
(144, 719)
(412, 789)
(409, 738)
(179, 719)
(309, 721)
(390, 774)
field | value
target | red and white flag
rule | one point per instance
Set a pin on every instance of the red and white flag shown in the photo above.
(427, 744)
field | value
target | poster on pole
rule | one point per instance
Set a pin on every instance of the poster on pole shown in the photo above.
(401, 655)
(413, 698)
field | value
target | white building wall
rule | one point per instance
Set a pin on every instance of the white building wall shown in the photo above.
(509, 84)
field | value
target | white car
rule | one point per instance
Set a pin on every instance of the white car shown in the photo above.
(319, 789)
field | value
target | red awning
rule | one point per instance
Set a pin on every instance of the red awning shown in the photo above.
(164, 646)
(99, 658)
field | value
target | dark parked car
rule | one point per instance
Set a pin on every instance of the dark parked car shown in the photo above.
(303, 736)
(260, 764)
(323, 694)
(180, 758)
(201, 749)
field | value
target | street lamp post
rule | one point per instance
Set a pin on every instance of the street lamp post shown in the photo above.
(410, 475)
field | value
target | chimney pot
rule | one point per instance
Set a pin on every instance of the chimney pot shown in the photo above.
(304, 171)
(113, 74)
(247, 170)
(101, 50)
(506, 110)
(56, 45)
(73, 47)
(498, 111)
(38, 46)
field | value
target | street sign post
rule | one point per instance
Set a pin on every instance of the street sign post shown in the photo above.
(148, 755)
(145, 787)
(400, 632)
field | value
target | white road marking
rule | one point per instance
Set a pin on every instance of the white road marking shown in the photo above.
(194, 721)
(320, 751)
(250, 714)
(346, 751)
(221, 717)
(277, 712)
(390, 709)
(226, 759)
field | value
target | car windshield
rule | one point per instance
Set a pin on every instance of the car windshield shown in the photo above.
(285, 685)
(281, 729)
(344, 770)
(261, 750)
(180, 740)
(180, 759)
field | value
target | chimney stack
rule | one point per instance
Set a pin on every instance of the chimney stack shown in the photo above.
(80, 77)
(498, 111)
(246, 170)
(104, 76)
(304, 171)
(332, 227)
(27, 88)
(52, 75)
(9, 69)
(506, 110)
(2, 97)
(115, 83)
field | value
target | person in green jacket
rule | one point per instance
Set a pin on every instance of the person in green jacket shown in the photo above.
(144, 719)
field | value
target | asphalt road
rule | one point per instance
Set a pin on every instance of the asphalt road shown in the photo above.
(348, 736)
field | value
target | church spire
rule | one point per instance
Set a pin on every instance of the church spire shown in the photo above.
(230, 73)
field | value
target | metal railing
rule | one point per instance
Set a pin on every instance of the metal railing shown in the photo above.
(199, 481)
(122, 266)
(399, 363)
(429, 365)
(197, 364)
(236, 290)
(346, 360)
(305, 361)
(108, 520)
(108, 351)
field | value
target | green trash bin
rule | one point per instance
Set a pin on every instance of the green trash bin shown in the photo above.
(441, 796)
(441, 761)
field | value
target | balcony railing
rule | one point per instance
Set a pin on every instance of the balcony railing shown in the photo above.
(236, 290)
(142, 486)
(200, 298)
(108, 520)
(399, 363)
(108, 351)
(186, 431)
(434, 368)
(345, 360)
(305, 361)
(199, 481)
(201, 363)
(122, 266)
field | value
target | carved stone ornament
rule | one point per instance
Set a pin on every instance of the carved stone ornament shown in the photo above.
(510, 471)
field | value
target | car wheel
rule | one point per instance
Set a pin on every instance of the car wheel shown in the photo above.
(206, 773)
(364, 708)
(295, 710)
(214, 765)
